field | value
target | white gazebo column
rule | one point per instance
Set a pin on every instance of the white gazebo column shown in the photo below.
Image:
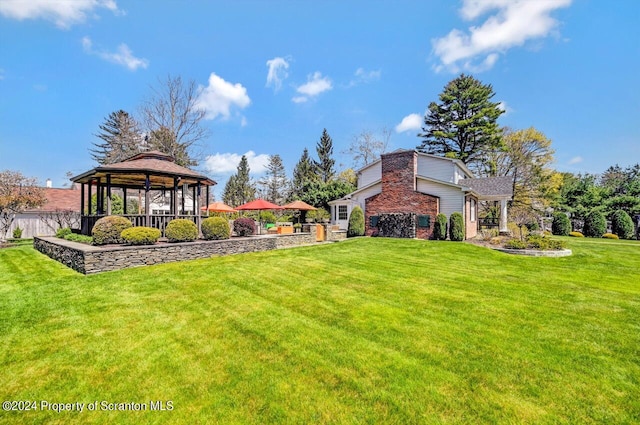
(503, 216)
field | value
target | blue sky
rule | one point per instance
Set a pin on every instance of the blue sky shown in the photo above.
(273, 74)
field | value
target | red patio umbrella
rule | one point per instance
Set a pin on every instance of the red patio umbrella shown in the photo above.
(218, 207)
(259, 204)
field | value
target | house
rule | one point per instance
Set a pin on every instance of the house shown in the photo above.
(403, 191)
(61, 209)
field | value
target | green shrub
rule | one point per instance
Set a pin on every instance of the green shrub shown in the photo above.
(17, 233)
(440, 227)
(622, 224)
(267, 216)
(61, 233)
(538, 242)
(79, 238)
(576, 234)
(610, 236)
(141, 235)
(561, 225)
(456, 227)
(533, 226)
(215, 228)
(595, 224)
(556, 245)
(181, 230)
(356, 223)
(244, 226)
(108, 229)
(515, 244)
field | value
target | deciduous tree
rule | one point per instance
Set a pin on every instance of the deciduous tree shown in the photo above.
(367, 146)
(172, 107)
(17, 193)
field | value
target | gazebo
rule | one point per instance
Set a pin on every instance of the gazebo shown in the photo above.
(146, 171)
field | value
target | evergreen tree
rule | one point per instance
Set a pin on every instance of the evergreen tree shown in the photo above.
(464, 124)
(164, 140)
(325, 164)
(239, 188)
(120, 137)
(303, 173)
(275, 182)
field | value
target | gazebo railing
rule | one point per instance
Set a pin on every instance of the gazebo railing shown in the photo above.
(158, 221)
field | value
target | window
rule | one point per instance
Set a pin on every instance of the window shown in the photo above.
(342, 212)
(473, 207)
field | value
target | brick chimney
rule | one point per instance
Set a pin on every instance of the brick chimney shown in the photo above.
(399, 172)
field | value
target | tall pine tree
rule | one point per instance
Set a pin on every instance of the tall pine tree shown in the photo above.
(239, 188)
(463, 124)
(121, 139)
(275, 183)
(325, 164)
(303, 173)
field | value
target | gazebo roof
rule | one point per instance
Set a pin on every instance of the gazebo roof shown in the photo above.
(490, 187)
(160, 167)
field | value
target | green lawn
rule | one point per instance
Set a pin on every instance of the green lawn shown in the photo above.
(370, 330)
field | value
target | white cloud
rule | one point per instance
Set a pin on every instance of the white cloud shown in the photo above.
(410, 122)
(575, 160)
(277, 72)
(227, 163)
(63, 13)
(220, 96)
(364, 77)
(514, 23)
(123, 56)
(315, 85)
(502, 105)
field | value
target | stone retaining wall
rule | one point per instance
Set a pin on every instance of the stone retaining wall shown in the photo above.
(89, 259)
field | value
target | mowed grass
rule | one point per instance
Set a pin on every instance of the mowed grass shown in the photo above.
(369, 330)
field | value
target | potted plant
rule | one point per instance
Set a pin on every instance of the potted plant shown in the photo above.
(297, 227)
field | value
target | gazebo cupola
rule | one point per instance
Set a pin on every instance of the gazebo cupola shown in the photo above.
(146, 171)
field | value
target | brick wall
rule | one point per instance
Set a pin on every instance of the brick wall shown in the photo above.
(399, 193)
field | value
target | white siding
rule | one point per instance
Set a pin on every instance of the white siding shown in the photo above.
(360, 197)
(461, 174)
(451, 198)
(436, 168)
(370, 174)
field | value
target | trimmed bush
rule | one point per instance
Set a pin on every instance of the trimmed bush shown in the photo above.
(622, 224)
(108, 230)
(79, 238)
(356, 223)
(610, 236)
(17, 233)
(456, 227)
(515, 244)
(181, 230)
(141, 235)
(61, 233)
(244, 226)
(595, 224)
(215, 228)
(440, 227)
(561, 225)
(576, 234)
